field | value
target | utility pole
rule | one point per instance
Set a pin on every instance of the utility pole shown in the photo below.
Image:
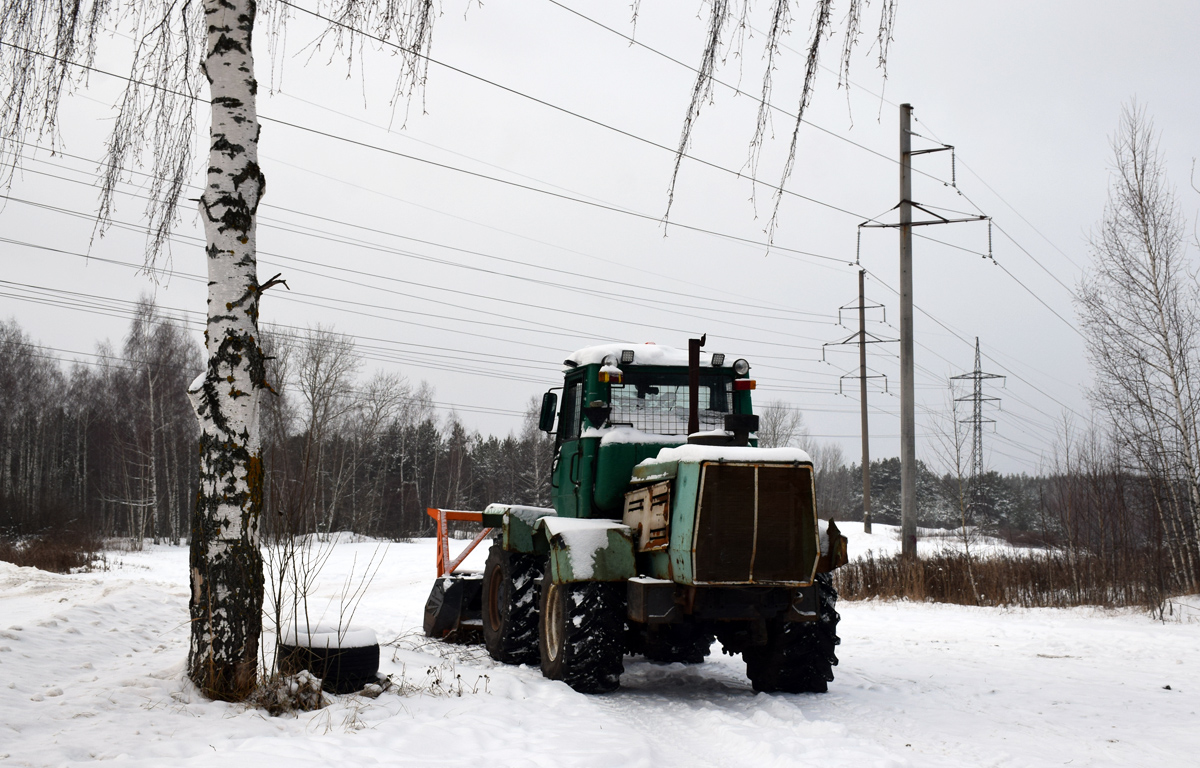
(908, 420)
(862, 400)
(862, 339)
(977, 421)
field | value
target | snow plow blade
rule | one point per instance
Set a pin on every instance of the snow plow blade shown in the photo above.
(454, 608)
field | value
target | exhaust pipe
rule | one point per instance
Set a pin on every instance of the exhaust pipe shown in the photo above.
(694, 346)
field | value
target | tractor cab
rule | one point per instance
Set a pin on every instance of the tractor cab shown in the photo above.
(621, 404)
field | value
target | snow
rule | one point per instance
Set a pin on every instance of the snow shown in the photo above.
(527, 515)
(698, 453)
(91, 668)
(885, 541)
(584, 538)
(624, 434)
(643, 354)
(329, 636)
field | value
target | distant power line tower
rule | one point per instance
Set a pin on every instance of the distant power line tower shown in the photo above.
(976, 420)
(862, 339)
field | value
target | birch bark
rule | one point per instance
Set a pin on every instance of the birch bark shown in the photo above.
(226, 565)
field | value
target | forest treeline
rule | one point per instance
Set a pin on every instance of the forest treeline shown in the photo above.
(108, 448)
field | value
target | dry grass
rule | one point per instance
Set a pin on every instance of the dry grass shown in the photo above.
(63, 552)
(1052, 579)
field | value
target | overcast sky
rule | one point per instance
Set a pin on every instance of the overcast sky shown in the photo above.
(482, 287)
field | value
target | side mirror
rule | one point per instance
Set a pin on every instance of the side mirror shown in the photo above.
(549, 410)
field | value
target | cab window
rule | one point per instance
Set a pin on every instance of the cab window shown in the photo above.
(572, 411)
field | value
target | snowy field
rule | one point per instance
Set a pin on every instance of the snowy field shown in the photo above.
(91, 668)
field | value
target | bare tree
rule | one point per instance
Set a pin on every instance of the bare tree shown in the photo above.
(1139, 309)
(720, 44)
(952, 439)
(780, 425)
(325, 367)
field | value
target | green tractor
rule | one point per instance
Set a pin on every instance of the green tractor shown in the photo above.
(670, 529)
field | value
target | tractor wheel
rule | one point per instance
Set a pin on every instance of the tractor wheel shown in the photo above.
(510, 605)
(799, 656)
(582, 634)
(685, 643)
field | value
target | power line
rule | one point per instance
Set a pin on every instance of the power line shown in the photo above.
(736, 90)
(557, 108)
(409, 254)
(445, 166)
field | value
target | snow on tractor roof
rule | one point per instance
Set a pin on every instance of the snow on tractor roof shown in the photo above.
(643, 354)
(697, 453)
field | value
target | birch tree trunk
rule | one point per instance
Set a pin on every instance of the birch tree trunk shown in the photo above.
(226, 565)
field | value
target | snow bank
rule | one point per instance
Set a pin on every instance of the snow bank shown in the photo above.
(325, 636)
(698, 453)
(643, 354)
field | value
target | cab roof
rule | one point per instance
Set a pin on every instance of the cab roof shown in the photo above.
(643, 354)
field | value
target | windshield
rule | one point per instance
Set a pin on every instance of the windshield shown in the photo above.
(658, 402)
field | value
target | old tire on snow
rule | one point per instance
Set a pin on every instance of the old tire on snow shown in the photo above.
(345, 660)
(684, 643)
(510, 605)
(799, 656)
(581, 635)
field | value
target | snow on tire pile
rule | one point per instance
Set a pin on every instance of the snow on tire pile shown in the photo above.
(91, 668)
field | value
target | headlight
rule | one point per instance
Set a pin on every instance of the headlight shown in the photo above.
(741, 367)
(609, 360)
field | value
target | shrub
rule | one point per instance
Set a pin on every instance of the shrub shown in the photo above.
(62, 552)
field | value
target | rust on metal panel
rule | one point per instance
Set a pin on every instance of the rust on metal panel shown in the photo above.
(647, 512)
(837, 556)
(444, 564)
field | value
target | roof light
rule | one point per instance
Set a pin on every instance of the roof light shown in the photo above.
(626, 356)
(718, 359)
(741, 367)
(609, 360)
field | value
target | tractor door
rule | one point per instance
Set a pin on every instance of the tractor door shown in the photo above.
(568, 463)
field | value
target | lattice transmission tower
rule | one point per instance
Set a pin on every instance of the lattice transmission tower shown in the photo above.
(976, 420)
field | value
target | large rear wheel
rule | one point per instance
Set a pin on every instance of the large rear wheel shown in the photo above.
(799, 656)
(510, 605)
(581, 635)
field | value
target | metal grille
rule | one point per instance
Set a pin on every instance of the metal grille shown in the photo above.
(755, 524)
(658, 403)
(784, 504)
(725, 534)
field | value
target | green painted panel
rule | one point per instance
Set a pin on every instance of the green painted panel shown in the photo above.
(613, 562)
(614, 468)
(656, 565)
(517, 525)
(683, 522)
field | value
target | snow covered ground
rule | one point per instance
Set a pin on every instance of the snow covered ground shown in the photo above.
(91, 668)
